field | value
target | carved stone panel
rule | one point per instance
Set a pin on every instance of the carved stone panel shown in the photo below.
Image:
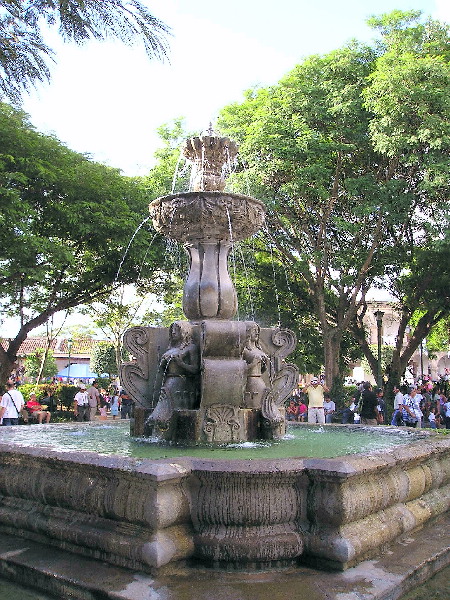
(140, 376)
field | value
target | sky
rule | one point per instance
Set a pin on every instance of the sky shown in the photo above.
(108, 100)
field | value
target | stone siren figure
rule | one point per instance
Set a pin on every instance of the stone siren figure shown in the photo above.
(179, 365)
(257, 393)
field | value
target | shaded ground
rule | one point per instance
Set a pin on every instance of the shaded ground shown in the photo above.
(436, 588)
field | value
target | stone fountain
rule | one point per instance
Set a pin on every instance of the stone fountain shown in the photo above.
(209, 379)
(212, 380)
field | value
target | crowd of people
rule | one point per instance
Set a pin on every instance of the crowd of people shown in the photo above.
(89, 403)
(420, 405)
(415, 406)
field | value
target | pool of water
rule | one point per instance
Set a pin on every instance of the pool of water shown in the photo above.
(300, 441)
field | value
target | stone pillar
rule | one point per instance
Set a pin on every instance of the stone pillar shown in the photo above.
(209, 292)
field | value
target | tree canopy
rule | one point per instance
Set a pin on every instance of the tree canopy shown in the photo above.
(66, 226)
(350, 153)
(24, 56)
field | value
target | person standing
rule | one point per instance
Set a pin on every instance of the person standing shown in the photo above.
(316, 391)
(397, 415)
(408, 410)
(369, 406)
(432, 418)
(81, 404)
(292, 411)
(126, 404)
(93, 399)
(11, 404)
(114, 405)
(381, 406)
(446, 412)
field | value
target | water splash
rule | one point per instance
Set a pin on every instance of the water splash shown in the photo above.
(128, 247)
(275, 284)
(175, 175)
(233, 256)
(249, 292)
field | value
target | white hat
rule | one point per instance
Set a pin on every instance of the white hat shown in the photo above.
(314, 380)
(82, 386)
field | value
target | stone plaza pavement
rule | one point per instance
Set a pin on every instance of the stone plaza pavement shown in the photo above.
(404, 565)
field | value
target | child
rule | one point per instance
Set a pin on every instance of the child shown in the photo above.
(432, 418)
(103, 415)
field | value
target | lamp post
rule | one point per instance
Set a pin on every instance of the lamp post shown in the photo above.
(378, 314)
(423, 348)
(69, 348)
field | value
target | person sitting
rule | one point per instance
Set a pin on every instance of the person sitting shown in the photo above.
(36, 410)
(329, 408)
(302, 411)
(292, 411)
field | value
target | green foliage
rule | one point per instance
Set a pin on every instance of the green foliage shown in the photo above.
(171, 310)
(438, 337)
(63, 395)
(24, 55)
(171, 169)
(350, 154)
(65, 226)
(386, 357)
(103, 383)
(33, 364)
(103, 359)
(31, 388)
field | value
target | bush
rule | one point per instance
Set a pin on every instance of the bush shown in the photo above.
(62, 394)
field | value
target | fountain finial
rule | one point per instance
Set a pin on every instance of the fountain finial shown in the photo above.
(210, 154)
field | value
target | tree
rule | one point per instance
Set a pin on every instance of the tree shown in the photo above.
(66, 224)
(409, 95)
(343, 208)
(114, 315)
(24, 55)
(423, 303)
(103, 359)
(40, 364)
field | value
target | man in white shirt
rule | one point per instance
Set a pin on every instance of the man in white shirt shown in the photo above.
(329, 408)
(11, 404)
(81, 404)
(398, 399)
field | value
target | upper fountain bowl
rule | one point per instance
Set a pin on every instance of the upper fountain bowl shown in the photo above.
(208, 213)
(211, 157)
(207, 216)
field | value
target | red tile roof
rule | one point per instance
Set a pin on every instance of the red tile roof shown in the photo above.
(59, 345)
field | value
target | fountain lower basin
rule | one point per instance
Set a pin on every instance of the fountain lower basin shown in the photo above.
(143, 514)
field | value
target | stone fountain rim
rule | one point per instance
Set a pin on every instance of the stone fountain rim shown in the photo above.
(212, 193)
(160, 469)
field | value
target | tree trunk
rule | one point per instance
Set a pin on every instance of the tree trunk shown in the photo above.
(43, 361)
(333, 376)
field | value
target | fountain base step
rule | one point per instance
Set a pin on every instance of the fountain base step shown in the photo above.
(65, 575)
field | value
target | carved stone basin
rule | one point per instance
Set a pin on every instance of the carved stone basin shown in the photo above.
(207, 216)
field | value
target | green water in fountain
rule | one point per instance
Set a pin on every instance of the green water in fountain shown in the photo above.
(300, 441)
